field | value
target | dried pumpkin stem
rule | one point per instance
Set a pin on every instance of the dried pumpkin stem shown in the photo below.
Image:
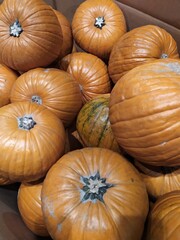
(164, 55)
(26, 122)
(99, 22)
(94, 187)
(37, 99)
(15, 29)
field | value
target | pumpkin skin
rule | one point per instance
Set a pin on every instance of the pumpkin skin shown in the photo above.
(92, 35)
(29, 205)
(89, 71)
(67, 44)
(73, 213)
(53, 88)
(163, 220)
(32, 140)
(159, 180)
(138, 46)
(5, 181)
(93, 125)
(145, 112)
(7, 79)
(36, 42)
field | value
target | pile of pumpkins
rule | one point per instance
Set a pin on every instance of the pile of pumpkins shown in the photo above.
(117, 93)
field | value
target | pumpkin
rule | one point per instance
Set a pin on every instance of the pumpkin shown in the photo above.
(138, 46)
(29, 206)
(30, 34)
(32, 140)
(98, 195)
(163, 220)
(5, 181)
(53, 88)
(159, 180)
(144, 112)
(7, 79)
(97, 25)
(93, 125)
(89, 71)
(67, 44)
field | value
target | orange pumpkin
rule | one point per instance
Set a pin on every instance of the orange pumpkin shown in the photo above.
(29, 205)
(163, 220)
(30, 34)
(97, 25)
(67, 44)
(94, 193)
(7, 79)
(32, 140)
(5, 181)
(53, 88)
(89, 71)
(159, 180)
(141, 45)
(145, 112)
(93, 125)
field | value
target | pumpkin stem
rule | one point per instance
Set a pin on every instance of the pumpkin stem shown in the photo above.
(164, 55)
(94, 187)
(99, 22)
(26, 122)
(36, 99)
(15, 29)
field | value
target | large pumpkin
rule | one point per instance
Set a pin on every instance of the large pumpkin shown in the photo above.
(53, 88)
(89, 71)
(159, 180)
(30, 34)
(138, 46)
(163, 220)
(145, 112)
(29, 206)
(32, 140)
(93, 125)
(94, 193)
(97, 25)
(7, 79)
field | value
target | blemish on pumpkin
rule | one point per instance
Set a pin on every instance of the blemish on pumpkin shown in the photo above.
(59, 227)
(49, 207)
(174, 67)
(81, 88)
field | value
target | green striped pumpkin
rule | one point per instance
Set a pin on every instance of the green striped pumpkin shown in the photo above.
(93, 125)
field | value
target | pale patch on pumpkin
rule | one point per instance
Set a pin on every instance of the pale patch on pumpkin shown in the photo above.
(59, 227)
(48, 207)
(174, 67)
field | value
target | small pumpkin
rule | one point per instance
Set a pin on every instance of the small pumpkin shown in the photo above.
(53, 88)
(163, 220)
(159, 180)
(97, 25)
(138, 46)
(144, 112)
(89, 71)
(94, 193)
(7, 79)
(93, 125)
(32, 140)
(29, 206)
(30, 34)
